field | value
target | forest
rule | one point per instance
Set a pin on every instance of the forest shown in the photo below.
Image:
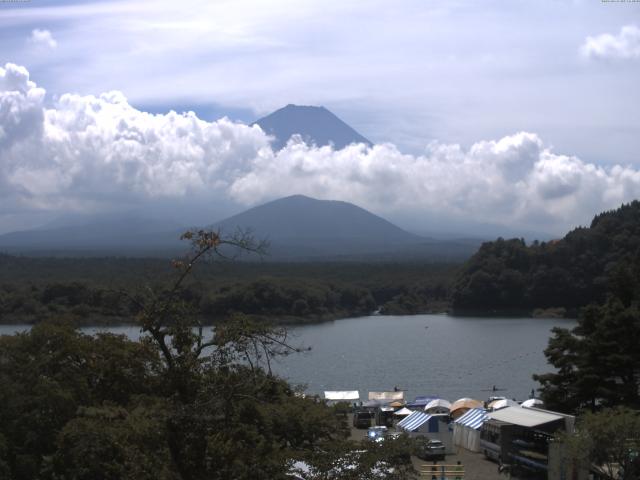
(509, 276)
(597, 363)
(504, 277)
(183, 405)
(172, 405)
(104, 290)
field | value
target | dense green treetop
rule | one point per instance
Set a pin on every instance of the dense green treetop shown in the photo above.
(608, 440)
(597, 363)
(508, 275)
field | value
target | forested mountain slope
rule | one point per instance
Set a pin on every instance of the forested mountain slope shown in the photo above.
(509, 276)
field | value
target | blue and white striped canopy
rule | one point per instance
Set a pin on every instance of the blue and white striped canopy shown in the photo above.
(474, 418)
(414, 421)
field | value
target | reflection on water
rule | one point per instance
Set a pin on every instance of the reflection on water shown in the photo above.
(436, 355)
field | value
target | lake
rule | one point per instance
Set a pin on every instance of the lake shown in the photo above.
(439, 355)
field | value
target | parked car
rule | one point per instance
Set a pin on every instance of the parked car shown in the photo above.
(362, 418)
(427, 449)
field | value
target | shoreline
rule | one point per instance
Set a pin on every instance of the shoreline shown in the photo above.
(294, 321)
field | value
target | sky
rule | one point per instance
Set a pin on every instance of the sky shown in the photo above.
(515, 113)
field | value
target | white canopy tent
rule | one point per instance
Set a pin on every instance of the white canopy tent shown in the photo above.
(525, 417)
(403, 412)
(386, 397)
(438, 405)
(342, 395)
(502, 403)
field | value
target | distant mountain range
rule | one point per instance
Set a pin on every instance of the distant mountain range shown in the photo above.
(297, 228)
(316, 125)
(109, 234)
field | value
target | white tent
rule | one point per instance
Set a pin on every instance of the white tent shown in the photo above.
(438, 405)
(526, 417)
(466, 429)
(342, 395)
(386, 396)
(403, 412)
(502, 403)
(532, 402)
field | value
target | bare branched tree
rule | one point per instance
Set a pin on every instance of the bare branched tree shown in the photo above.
(176, 329)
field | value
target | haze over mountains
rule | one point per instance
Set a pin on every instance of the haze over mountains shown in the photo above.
(298, 227)
(109, 234)
(298, 217)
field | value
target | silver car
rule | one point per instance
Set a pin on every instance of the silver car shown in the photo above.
(429, 449)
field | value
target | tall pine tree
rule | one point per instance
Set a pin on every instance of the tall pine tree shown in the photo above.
(598, 362)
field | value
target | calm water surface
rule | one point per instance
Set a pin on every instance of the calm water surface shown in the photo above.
(438, 355)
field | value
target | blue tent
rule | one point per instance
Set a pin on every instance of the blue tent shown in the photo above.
(414, 421)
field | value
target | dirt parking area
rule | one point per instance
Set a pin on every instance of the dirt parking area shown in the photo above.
(476, 466)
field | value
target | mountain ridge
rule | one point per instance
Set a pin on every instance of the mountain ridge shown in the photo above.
(298, 228)
(308, 211)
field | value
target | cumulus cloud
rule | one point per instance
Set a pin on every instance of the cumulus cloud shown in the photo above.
(512, 180)
(42, 38)
(92, 152)
(100, 149)
(623, 46)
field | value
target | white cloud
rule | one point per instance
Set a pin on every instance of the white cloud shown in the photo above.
(92, 152)
(623, 46)
(42, 38)
(511, 181)
(87, 149)
(451, 71)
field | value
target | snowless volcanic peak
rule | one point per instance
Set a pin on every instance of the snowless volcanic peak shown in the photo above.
(316, 125)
